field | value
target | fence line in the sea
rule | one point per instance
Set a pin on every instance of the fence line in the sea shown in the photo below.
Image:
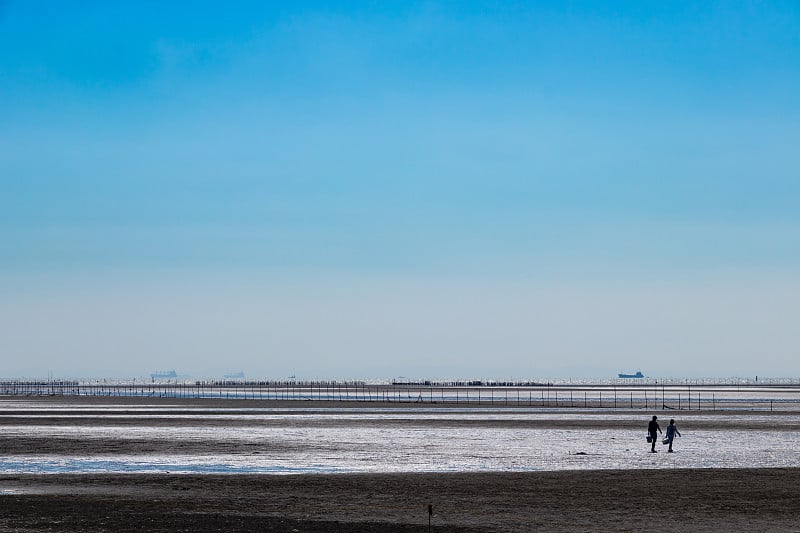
(634, 396)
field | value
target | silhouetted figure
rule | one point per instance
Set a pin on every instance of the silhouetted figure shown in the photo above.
(653, 429)
(672, 430)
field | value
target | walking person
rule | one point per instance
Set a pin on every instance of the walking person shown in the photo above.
(672, 430)
(653, 429)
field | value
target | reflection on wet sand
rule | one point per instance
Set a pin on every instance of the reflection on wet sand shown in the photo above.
(41, 435)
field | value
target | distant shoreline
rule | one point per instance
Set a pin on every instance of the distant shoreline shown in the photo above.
(632, 394)
(323, 405)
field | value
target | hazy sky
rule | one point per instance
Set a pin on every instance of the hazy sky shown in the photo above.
(383, 189)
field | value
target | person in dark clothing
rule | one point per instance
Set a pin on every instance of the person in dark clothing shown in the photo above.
(672, 430)
(653, 429)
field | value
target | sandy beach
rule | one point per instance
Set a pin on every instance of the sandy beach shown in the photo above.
(667, 499)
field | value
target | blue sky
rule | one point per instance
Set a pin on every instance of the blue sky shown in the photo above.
(374, 189)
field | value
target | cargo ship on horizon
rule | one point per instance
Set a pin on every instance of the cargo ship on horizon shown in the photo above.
(164, 374)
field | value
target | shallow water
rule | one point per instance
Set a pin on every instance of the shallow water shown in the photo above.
(286, 441)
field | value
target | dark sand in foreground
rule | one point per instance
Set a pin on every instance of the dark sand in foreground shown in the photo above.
(677, 500)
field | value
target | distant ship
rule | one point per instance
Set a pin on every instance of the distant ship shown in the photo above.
(631, 376)
(168, 374)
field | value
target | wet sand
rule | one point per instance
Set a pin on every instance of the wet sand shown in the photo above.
(607, 500)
